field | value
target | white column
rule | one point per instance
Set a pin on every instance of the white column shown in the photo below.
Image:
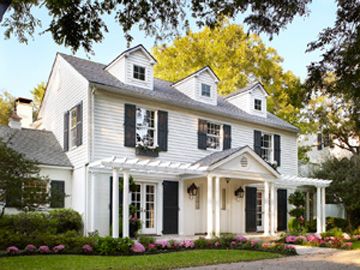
(115, 204)
(307, 206)
(209, 206)
(217, 206)
(92, 201)
(125, 210)
(272, 210)
(159, 210)
(266, 206)
(181, 207)
(318, 210)
(323, 215)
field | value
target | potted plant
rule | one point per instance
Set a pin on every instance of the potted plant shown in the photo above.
(143, 150)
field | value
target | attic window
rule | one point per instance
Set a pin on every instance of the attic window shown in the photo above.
(139, 73)
(205, 90)
(257, 104)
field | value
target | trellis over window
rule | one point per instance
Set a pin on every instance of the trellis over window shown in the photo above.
(268, 146)
(73, 127)
(213, 136)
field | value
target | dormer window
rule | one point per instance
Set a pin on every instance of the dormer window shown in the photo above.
(139, 72)
(258, 104)
(205, 90)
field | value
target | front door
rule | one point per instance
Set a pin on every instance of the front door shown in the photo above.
(144, 201)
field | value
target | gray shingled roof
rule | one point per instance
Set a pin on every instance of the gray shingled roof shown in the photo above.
(38, 145)
(244, 89)
(165, 93)
(217, 156)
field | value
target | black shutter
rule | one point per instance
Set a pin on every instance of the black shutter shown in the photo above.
(282, 209)
(66, 131)
(170, 207)
(257, 142)
(227, 137)
(79, 123)
(250, 209)
(130, 125)
(202, 134)
(57, 194)
(277, 149)
(319, 141)
(162, 130)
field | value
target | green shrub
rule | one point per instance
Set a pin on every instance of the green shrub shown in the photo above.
(337, 232)
(64, 220)
(27, 223)
(335, 222)
(310, 225)
(146, 240)
(201, 243)
(114, 246)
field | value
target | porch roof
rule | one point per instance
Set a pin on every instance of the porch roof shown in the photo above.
(293, 180)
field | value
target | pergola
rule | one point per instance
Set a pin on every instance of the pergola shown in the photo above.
(125, 166)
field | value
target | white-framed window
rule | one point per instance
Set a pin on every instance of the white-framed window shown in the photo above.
(258, 104)
(259, 209)
(72, 127)
(145, 127)
(205, 90)
(267, 147)
(213, 136)
(139, 72)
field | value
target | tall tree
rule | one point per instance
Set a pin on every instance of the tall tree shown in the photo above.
(236, 58)
(6, 107)
(38, 94)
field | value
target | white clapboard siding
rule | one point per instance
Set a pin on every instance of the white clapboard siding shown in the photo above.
(139, 58)
(182, 136)
(66, 89)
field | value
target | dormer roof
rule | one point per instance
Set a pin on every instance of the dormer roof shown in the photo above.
(249, 88)
(196, 73)
(131, 50)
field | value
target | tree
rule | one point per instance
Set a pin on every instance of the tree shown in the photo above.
(21, 185)
(38, 94)
(80, 23)
(297, 221)
(6, 107)
(345, 187)
(236, 58)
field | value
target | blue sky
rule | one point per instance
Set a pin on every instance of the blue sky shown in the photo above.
(22, 66)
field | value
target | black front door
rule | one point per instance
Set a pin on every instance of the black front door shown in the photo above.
(250, 209)
(170, 207)
(282, 209)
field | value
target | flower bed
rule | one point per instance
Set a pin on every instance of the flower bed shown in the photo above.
(147, 245)
(331, 241)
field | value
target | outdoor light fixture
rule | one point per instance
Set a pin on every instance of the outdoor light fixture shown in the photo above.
(192, 190)
(239, 193)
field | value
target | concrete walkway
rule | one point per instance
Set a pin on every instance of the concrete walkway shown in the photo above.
(324, 260)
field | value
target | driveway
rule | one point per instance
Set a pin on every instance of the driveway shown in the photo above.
(334, 260)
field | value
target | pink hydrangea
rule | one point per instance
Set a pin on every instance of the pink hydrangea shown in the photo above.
(87, 249)
(290, 239)
(312, 238)
(137, 248)
(44, 249)
(151, 246)
(162, 243)
(187, 244)
(240, 238)
(58, 248)
(266, 245)
(254, 243)
(348, 244)
(13, 250)
(30, 248)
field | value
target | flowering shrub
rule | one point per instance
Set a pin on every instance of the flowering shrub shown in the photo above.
(240, 238)
(320, 241)
(87, 249)
(151, 247)
(187, 244)
(58, 248)
(44, 249)
(13, 250)
(137, 248)
(30, 248)
(161, 243)
(290, 239)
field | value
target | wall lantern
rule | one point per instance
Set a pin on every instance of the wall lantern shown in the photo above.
(239, 193)
(192, 190)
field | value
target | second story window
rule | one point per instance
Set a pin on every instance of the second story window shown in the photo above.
(139, 73)
(213, 136)
(205, 90)
(266, 147)
(73, 129)
(145, 127)
(257, 104)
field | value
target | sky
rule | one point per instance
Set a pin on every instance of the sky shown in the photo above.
(22, 66)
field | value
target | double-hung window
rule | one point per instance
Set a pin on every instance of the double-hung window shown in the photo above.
(205, 90)
(139, 72)
(145, 127)
(257, 104)
(266, 147)
(213, 136)
(73, 129)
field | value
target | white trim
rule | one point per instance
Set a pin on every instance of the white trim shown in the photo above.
(55, 167)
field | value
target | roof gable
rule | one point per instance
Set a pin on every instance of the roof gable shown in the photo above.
(197, 73)
(249, 88)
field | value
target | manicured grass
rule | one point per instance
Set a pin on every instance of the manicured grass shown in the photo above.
(356, 245)
(158, 261)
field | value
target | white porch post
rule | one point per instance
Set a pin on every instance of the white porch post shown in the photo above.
(209, 206)
(217, 206)
(272, 210)
(159, 205)
(323, 215)
(115, 204)
(181, 207)
(318, 210)
(125, 210)
(307, 206)
(266, 206)
(92, 201)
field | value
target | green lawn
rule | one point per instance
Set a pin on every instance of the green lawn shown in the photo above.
(159, 261)
(356, 245)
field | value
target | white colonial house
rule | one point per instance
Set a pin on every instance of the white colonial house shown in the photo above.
(202, 163)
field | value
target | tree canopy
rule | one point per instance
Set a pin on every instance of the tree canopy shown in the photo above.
(38, 94)
(236, 58)
(6, 107)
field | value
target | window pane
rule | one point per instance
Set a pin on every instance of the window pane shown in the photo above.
(57, 192)
(213, 136)
(257, 104)
(205, 90)
(145, 127)
(139, 73)
(73, 130)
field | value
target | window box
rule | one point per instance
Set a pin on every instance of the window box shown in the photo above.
(145, 151)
